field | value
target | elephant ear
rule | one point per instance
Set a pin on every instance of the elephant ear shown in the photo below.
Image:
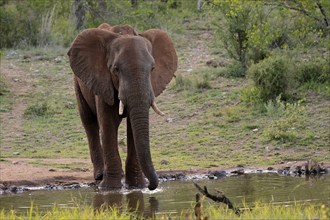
(88, 60)
(104, 26)
(123, 30)
(166, 60)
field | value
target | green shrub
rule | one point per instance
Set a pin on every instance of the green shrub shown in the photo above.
(4, 98)
(251, 95)
(204, 83)
(235, 70)
(15, 30)
(275, 108)
(39, 109)
(3, 86)
(315, 70)
(192, 83)
(286, 119)
(182, 83)
(273, 77)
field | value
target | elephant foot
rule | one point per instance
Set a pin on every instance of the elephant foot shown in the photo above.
(108, 185)
(98, 174)
(136, 181)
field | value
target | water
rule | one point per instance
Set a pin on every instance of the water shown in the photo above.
(175, 196)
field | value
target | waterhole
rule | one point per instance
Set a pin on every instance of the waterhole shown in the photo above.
(176, 196)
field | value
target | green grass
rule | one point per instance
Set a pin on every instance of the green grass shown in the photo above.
(4, 99)
(259, 211)
(212, 118)
(74, 165)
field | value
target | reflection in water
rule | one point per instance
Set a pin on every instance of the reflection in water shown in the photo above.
(177, 196)
(110, 199)
(134, 202)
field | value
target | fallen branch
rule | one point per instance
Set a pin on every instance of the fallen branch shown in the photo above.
(217, 198)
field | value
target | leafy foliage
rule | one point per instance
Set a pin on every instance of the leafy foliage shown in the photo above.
(273, 76)
(250, 30)
(44, 22)
(286, 118)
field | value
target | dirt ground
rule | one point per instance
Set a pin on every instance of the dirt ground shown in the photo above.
(20, 171)
(28, 172)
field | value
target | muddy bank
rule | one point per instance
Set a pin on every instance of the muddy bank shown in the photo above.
(76, 179)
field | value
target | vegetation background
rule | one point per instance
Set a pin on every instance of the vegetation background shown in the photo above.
(252, 88)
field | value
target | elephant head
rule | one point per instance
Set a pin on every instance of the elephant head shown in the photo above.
(127, 69)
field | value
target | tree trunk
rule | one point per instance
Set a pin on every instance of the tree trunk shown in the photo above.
(79, 11)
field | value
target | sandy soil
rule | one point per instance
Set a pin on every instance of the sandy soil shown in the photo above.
(20, 171)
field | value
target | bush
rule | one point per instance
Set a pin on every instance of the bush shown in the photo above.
(204, 83)
(251, 96)
(182, 83)
(286, 118)
(3, 86)
(235, 70)
(192, 83)
(273, 77)
(316, 70)
(39, 109)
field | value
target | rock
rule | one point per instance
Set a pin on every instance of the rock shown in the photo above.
(218, 174)
(238, 172)
(26, 57)
(298, 170)
(164, 162)
(12, 53)
(13, 189)
(270, 168)
(180, 176)
(92, 184)
(169, 120)
(312, 167)
(211, 177)
(15, 162)
(16, 153)
(255, 130)
(51, 170)
(58, 60)
(212, 63)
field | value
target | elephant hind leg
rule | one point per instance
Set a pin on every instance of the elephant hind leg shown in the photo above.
(90, 123)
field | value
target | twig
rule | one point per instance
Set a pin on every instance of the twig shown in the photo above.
(216, 198)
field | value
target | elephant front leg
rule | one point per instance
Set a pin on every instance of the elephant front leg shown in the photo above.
(134, 175)
(109, 122)
(95, 150)
(90, 123)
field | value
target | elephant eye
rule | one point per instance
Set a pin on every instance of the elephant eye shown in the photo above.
(114, 69)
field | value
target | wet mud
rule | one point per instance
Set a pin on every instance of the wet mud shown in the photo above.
(309, 168)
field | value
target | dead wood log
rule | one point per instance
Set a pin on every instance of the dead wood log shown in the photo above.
(222, 198)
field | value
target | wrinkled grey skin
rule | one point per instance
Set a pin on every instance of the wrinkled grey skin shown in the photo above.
(113, 64)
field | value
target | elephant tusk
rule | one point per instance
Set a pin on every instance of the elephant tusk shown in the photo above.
(156, 109)
(121, 108)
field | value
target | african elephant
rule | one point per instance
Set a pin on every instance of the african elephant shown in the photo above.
(118, 73)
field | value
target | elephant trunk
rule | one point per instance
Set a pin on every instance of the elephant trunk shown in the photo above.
(139, 118)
